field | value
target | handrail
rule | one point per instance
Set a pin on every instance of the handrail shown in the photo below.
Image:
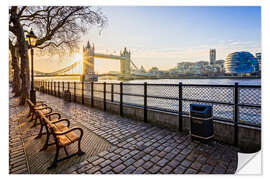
(119, 90)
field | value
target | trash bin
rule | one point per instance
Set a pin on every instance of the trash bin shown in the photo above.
(41, 88)
(67, 95)
(201, 122)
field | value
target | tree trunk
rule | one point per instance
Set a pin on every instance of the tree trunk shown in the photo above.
(16, 68)
(22, 46)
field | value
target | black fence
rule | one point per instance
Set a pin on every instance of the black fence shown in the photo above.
(238, 104)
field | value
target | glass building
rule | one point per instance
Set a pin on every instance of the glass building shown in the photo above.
(241, 62)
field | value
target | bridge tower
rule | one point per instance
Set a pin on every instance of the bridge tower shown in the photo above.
(88, 63)
(125, 63)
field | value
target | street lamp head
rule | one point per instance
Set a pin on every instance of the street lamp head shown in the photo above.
(31, 38)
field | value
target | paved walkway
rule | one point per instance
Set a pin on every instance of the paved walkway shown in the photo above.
(138, 147)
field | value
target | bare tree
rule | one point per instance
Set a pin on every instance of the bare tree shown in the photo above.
(59, 28)
(15, 66)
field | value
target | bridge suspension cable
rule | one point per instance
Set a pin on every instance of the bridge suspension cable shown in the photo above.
(61, 71)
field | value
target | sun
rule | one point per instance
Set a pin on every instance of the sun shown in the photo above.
(77, 57)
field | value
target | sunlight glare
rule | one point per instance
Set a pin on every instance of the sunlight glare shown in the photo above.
(78, 58)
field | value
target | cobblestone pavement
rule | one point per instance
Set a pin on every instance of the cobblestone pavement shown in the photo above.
(141, 148)
(17, 159)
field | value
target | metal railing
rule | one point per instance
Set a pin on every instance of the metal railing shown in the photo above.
(237, 104)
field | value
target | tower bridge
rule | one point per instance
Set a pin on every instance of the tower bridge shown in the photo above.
(89, 56)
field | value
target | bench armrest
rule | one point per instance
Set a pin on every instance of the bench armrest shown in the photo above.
(72, 129)
(52, 114)
(40, 102)
(39, 105)
(60, 120)
(50, 110)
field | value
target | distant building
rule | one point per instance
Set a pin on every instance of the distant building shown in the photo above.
(212, 56)
(154, 71)
(259, 59)
(241, 63)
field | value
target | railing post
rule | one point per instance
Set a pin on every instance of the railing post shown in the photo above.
(112, 92)
(58, 84)
(74, 91)
(51, 87)
(63, 88)
(236, 114)
(55, 92)
(180, 110)
(92, 94)
(104, 96)
(121, 98)
(145, 102)
(82, 92)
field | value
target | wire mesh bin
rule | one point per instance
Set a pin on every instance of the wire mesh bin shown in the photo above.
(67, 96)
(201, 122)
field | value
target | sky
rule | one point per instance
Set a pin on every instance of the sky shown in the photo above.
(164, 36)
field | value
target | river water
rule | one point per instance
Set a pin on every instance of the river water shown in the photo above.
(195, 81)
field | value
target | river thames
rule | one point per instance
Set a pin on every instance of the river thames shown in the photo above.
(195, 81)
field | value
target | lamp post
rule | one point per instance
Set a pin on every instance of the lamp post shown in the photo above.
(31, 38)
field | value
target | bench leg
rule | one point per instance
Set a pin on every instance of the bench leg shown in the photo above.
(66, 151)
(32, 117)
(40, 131)
(80, 152)
(35, 123)
(54, 164)
(46, 142)
(29, 113)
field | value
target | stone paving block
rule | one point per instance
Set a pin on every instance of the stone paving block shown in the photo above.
(106, 169)
(174, 163)
(186, 163)
(98, 161)
(93, 170)
(129, 170)
(196, 165)
(138, 163)
(102, 154)
(148, 165)
(191, 171)
(180, 157)
(124, 152)
(179, 170)
(147, 157)
(186, 151)
(115, 157)
(84, 168)
(206, 168)
(116, 163)
(218, 170)
(170, 156)
(129, 162)
(139, 170)
(162, 162)
(105, 163)
(109, 155)
(119, 168)
(155, 159)
(166, 170)
(139, 155)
